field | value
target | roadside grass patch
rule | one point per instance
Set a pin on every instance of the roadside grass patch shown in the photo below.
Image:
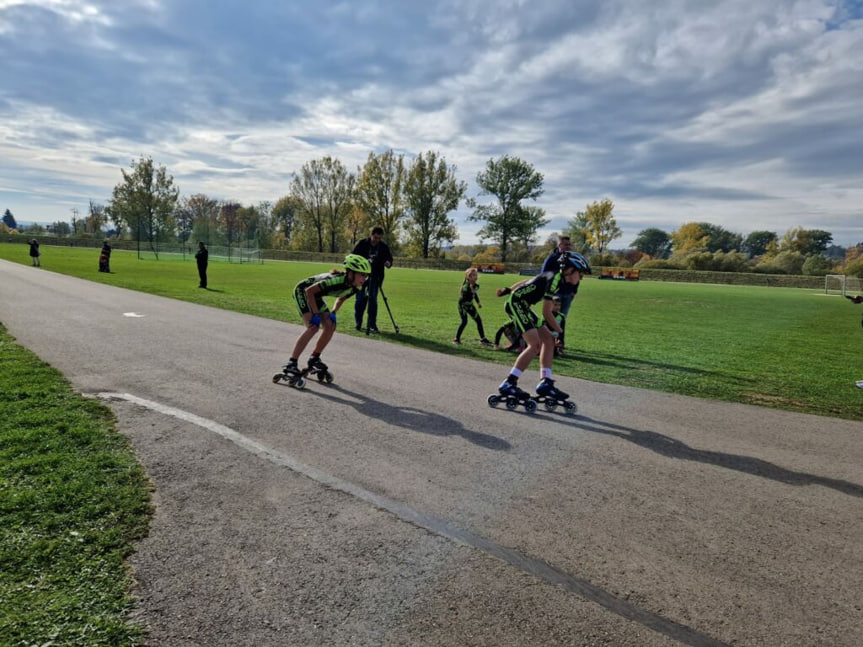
(73, 499)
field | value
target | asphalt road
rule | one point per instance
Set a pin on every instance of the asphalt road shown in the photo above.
(394, 507)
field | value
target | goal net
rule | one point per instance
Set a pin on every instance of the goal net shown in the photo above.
(835, 284)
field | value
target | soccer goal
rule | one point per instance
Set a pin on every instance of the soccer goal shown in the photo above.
(835, 284)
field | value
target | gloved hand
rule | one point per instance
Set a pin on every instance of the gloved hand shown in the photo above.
(315, 320)
(333, 317)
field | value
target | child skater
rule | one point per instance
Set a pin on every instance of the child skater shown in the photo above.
(468, 294)
(309, 295)
(539, 339)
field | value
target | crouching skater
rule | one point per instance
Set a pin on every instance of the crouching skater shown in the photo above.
(309, 295)
(539, 339)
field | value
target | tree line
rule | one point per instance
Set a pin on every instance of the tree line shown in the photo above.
(328, 208)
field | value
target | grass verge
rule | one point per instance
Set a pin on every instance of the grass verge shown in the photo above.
(72, 501)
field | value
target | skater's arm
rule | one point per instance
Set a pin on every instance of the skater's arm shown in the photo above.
(502, 292)
(339, 302)
(548, 315)
(311, 291)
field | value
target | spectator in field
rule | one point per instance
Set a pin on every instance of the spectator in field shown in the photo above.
(567, 290)
(202, 258)
(376, 251)
(467, 295)
(34, 252)
(858, 300)
(105, 257)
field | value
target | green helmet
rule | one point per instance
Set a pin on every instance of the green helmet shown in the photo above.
(358, 263)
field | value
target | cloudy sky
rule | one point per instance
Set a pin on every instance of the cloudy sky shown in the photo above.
(743, 113)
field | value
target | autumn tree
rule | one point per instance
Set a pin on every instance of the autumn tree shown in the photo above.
(806, 241)
(689, 238)
(323, 191)
(432, 191)
(380, 192)
(144, 202)
(601, 226)
(511, 181)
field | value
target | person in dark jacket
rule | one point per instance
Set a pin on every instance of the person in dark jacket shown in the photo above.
(201, 258)
(374, 249)
(105, 257)
(567, 291)
(34, 252)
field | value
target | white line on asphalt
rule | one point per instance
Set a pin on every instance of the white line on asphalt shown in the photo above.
(441, 527)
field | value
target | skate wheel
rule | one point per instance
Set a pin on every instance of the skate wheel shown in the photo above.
(530, 406)
(511, 403)
(329, 378)
(570, 408)
(299, 383)
(550, 405)
(277, 377)
(321, 377)
(493, 400)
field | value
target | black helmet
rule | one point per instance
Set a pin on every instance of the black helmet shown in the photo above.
(576, 260)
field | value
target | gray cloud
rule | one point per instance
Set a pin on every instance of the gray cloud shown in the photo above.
(740, 113)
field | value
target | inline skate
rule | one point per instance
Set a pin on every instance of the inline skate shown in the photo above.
(512, 396)
(552, 397)
(291, 374)
(317, 367)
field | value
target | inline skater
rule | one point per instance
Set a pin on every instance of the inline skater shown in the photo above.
(539, 339)
(309, 295)
(467, 295)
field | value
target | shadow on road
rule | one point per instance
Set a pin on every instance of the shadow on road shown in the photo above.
(410, 418)
(672, 448)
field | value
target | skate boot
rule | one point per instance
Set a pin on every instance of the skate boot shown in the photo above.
(291, 374)
(552, 397)
(317, 367)
(509, 393)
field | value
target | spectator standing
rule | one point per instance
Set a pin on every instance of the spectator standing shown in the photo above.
(105, 257)
(34, 252)
(567, 290)
(202, 258)
(378, 253)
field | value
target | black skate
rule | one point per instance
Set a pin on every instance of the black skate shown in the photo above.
(317, 367)
(512, 396)
(291, 374)
(552, 397)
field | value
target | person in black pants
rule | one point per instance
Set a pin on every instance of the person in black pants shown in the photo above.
(374, 249)
(34, 252)
(201, 258)
(105, 257)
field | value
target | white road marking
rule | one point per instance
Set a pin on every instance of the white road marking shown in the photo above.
(441, 527)
(133, 314)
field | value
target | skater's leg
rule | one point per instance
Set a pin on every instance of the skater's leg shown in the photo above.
(546, 353)
(532, 348)
(329, 328)
(305, 337)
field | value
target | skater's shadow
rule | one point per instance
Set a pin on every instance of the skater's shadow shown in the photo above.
(672, 448)
(410, 418)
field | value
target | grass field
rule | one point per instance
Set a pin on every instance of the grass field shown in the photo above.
(72, 501)
(780, 347)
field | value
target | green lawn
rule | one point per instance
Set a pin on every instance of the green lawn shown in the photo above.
(72, 501)
(781, 347)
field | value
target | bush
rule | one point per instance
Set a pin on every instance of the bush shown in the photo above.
(818, 265)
